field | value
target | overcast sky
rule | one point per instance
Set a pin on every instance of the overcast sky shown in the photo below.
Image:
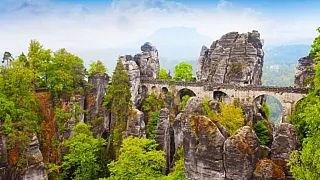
(92, 27)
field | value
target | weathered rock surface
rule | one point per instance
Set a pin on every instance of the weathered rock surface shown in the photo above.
(241, 154)
(36, 169)
(203, 149)
(3, 155)
(284, 142)
(304, 71)
(267, 169)
(136, 124)
(233, 59)
(134, 77)
(148, 61)
(142, 65)
(177, 129)
(164, 136)
(96, 115)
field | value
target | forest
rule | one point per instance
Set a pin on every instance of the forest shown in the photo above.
(82, 153)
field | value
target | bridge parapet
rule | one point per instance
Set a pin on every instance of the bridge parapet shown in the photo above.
(211, 86)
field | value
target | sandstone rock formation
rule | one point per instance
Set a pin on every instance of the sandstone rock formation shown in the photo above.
(148, 61)
(203, 149)
(304, 71)
(142, 65)
(3, 155)
(242, 151)
(36, 169)
(267, 169)
(233, 59)
(164, 136)
(284, 142)
(96, 115)
(177, 130)
(136, 124)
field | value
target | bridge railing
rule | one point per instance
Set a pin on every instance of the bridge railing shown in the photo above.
(212, 86)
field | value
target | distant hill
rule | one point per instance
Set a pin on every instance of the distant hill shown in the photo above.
(285, 54)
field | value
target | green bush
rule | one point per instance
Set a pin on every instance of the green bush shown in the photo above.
(262, 131)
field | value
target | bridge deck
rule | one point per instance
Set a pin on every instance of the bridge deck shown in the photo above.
(211, 86)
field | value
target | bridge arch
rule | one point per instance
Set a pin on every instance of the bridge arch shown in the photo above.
(220, 96)
(185, 91)
(273, 105)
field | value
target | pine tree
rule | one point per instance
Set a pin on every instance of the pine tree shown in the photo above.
(117, 101)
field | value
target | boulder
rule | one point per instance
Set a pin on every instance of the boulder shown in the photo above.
(203, 149)
(267, 169)
(136, 124)
(164, 136)
(304, 71)
(242, 152)
(36, 169)
(284, 142)
(234, 59)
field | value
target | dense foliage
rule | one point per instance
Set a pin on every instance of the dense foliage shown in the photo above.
(19, 113)
(306, 118)
(183, 72)
(184, 101)
(138, 159)
(82, 160)
(229, 115)
(262, 132)
(163, 74)
(117, 101)
(97, 67)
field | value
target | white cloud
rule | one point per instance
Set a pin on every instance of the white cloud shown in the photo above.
(125, 22)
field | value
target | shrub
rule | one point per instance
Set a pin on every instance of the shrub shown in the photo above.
(262, 131)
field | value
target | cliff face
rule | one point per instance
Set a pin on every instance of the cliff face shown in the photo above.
(304, 72)
(142, 65)
(234, 59)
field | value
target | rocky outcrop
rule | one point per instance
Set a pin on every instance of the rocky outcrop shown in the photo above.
(134, 74)
(35, 167)
(304, 72)
(267, 169)
(148, 61)
(3, 155)
(284, 142)
(242, 151)
(136, 124)
(164, 136)
(178, 131)
(203, 149)
(142, 65)
(96, 115)
(234, 59)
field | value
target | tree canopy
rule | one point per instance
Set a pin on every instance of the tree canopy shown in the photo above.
(183, 72)
(118, 103)
(97, 67)
(82, 159)
(138, 159)
(163, 74)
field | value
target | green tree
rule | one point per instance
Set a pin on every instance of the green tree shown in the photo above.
(66, 74)
(184, 101)
(306, 118)
(19, 110)
(138, 159)
(262, 131)
(117, 101)
(183, 72)
(82, 158)
(230, 115)
(306, 164)
(163, 74)
(97, 67)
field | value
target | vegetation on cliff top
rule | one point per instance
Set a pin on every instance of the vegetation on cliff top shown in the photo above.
(305, 164)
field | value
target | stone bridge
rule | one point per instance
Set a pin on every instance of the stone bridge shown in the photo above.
(287, 96)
